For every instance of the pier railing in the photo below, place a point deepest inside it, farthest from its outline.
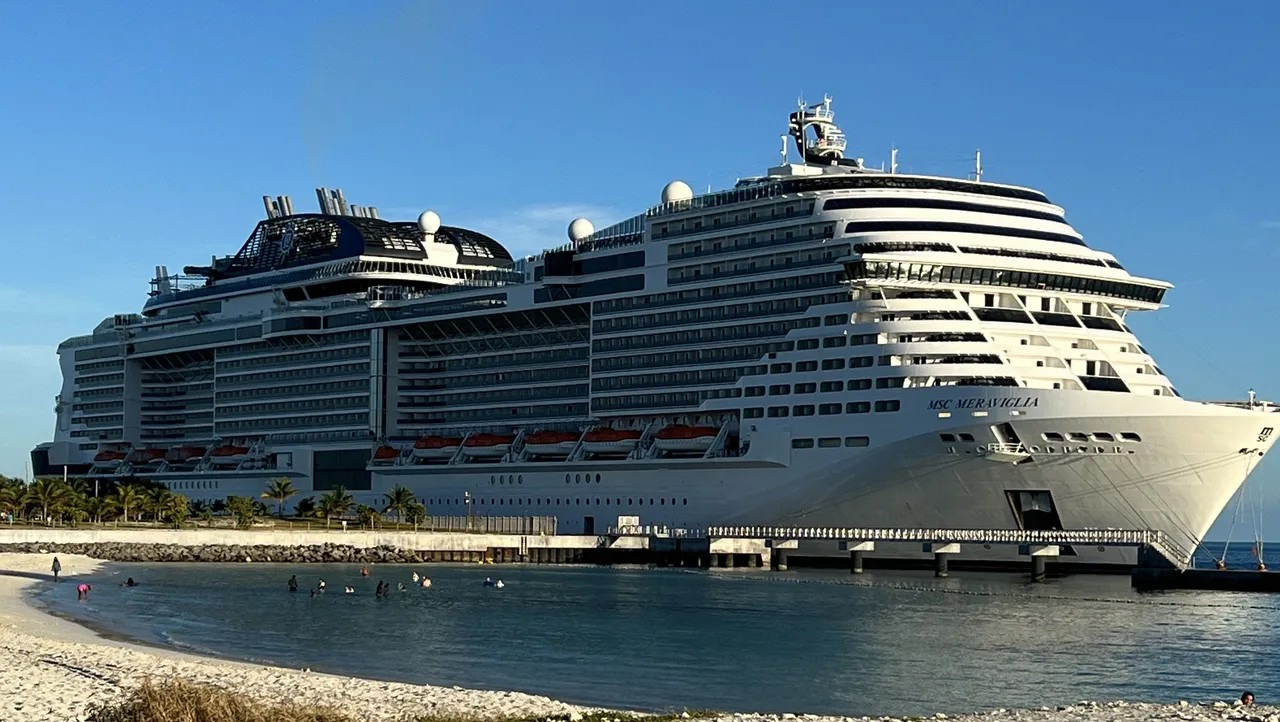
(1117, 537)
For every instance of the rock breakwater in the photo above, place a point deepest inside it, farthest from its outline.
(292, 554)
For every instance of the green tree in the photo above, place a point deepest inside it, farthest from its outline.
(416, 513)
(305, 507)
(334, 503)
(366, 515)
(10, 498)
(279, 490)
(177, 508)
(156, 502)
(128, 497)
(46, 494)
(97, 507)
(241, 507)
(398, 501)
(218, 506)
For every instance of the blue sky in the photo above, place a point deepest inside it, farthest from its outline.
(136, 135)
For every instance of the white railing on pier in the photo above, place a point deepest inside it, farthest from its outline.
(1114, 537)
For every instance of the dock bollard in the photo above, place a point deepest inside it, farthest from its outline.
(780, 557)
(1037, 569)
(940, 564)
(855, 562)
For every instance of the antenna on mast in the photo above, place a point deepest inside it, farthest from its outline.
(784, 149)
(893, 160)
(977, 166)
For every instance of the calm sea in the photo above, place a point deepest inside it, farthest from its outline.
(802, 641)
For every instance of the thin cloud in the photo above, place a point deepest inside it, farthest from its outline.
(1269, 225)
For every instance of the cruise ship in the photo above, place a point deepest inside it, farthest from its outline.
(825, 345)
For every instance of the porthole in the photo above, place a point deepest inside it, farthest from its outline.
(577, 478)
(597, 478)
(686, 502)
(630, 502)
(566, 478)
(662, 502)
(520, 479)
(651, 502)
(491, 480)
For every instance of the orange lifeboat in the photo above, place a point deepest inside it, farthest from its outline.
(228, 455)
(683, 438)
(190, 454)
(550, 443)
(384, 455)
(436, 447)
(108, 458)
(487, 446)
(147, 456)
(607, 440)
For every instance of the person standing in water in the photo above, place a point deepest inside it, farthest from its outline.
(82, 591)
(57, 567)
(293, 583)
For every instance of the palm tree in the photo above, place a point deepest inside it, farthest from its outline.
(200, 510)
(10, 498)
(98, 507)
(156, 503)
(398, 501)
(416, 513)
(218, 506)
(279, 490)
(366, 515)
(241, 508)
(127, 497)
(305, 507)
(48, 494)
(177, 507)
(334, 503)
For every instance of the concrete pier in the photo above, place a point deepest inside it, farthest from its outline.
(941, 552)
(1040, 556)
(857, 550)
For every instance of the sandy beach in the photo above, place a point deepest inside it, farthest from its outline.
(54, 669)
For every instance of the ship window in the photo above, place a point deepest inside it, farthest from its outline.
(802, 443)
(857, 441)
(1129, 436)
(829, 442)
(896, 382)
(597, 478)
(889, 405)
(949, 438)
(754, 412)
(779, 390)
(1052, 436)
(804, 410)
(755, 391)
(780, 368)
(828, 409)
(1076, 436)
(1102, 436)
(859, 384)
(806, 388)
(806, 366)
(861, 362)
(832, 364)
(834, 342)
(834, 320)
(829, 386)
(857, 407)
(778, 411)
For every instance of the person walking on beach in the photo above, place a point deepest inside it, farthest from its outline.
(57, 567)
(293, 583)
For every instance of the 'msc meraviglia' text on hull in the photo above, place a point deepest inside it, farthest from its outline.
(823, 345)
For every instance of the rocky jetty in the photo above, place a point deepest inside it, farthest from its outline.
(292, 554)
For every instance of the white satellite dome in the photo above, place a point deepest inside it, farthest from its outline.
(676, 191)
(580, 228)
(429, 222)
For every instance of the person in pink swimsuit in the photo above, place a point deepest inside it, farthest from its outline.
(82, 591)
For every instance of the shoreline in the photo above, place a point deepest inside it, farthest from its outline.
(58, 668)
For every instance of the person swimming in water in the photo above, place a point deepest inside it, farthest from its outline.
(129, 583)
(349, 589)
(425, 582)
(415, 577)
(364, 571)
(320, 586)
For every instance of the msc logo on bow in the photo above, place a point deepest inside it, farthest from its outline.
(1266, 434)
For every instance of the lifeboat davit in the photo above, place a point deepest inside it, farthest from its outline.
(228, 455)
(108, 458)
(550, 443)
(436, 447)
(385, 455)
(682, 438)
(487, 446)
(606, 440)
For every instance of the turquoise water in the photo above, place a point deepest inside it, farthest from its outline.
(805, 641)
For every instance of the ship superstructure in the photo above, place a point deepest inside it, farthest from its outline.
(825, 344)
